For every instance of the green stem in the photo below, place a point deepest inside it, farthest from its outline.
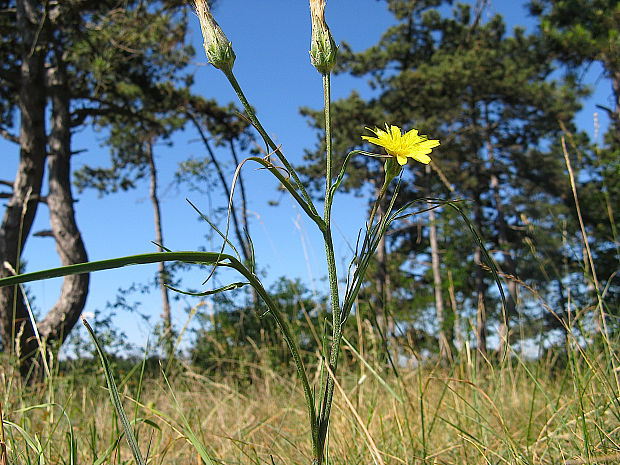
(252, 115)
(376, 205)
(333, 277)
(336, 319)
(307, 204)
(328, 146)
(292, 345)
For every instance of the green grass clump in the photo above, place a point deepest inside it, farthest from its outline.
(559, 409)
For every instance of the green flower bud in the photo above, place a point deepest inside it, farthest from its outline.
(392, 169)
(217, 46)
(323, 49)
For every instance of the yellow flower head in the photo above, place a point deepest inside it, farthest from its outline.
(403, 146)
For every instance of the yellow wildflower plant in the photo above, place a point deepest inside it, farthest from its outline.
(403, 146)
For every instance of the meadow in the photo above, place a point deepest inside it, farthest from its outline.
(562, 408)
(522, 368)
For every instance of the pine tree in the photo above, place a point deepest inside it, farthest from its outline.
(579, 33)
(75, 62)
(490, 99)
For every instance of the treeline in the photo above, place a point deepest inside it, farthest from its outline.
(122, 68)
(540, 193)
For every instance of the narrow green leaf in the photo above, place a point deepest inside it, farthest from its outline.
(228, 287)
(116, 401)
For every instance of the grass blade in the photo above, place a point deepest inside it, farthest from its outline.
(116, 401)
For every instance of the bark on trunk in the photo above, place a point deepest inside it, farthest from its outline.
(22, 205)
(159, 239)
(508, 267)
(456, 328)
(481, 316)
(382, 280)
(445, 339)
(444, 334)
(238, 225)
(245, 244)
(614, 71)
(61, 318)
(444, 342)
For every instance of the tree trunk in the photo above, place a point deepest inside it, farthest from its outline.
(245, 244)
(382, 280)
(159, 239)
(22, 205)
(508, 265)
(456, 327)
(61, 318)
(444, 333)
(238, 225)
(481, 314)
(614, 73)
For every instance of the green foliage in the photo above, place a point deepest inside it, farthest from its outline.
(492, 100)
(495, 104)
(581, 30)
(235, 336)
(579, 33)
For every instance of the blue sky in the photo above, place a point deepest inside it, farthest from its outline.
(271, 40)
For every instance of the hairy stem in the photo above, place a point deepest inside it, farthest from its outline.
(268, 140)
(333, 277)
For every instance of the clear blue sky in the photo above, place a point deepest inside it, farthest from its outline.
(271, 40)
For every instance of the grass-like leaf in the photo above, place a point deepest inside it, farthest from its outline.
(116, 401)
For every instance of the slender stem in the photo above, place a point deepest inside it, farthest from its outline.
(328, 146)
(307, 204)
(376, 205)
(252, 115)
(333, 277)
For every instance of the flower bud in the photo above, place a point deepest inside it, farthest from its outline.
(323, 49)
(392, 169)
(217, 46)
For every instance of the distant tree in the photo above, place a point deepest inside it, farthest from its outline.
(582, 32)
(579, 33)
(67, 64)
(492, 102)
(155, 116)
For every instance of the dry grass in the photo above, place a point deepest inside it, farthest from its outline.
(470, 413)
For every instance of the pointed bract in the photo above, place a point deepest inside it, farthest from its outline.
(217, 46)
(323, 49)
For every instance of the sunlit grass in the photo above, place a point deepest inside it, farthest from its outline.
(513, 412)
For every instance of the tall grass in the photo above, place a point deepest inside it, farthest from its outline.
(471, 412)
(563, 407)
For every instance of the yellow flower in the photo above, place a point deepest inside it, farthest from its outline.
(403, 146)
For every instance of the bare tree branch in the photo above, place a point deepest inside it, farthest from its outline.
(9, 136)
